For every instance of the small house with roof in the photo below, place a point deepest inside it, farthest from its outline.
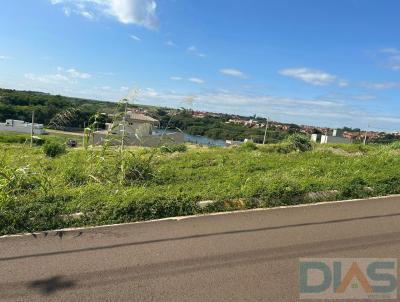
(135, 123)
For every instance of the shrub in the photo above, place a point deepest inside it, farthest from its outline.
(356, 188)
(13, 139)
(173, 148)
(20, 139)
(53, 149)
(274, 192)
(15, 181)
(137, 168)
(248, 146)
(395, 145)
(75, 175)
(300, 142)
(282, 148)
(389, 185)
(29, 215)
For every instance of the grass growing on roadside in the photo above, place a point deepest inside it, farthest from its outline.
(38, 192)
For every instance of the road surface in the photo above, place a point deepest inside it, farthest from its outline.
(243, 256)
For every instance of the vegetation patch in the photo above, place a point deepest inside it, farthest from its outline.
(39, 191)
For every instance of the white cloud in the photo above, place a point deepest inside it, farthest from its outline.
(390, 50)
(382, 85)
(124, 88)
(347, 97)
(391, 58)
(170, 43)
(67, 11)
(62, 76)
(196, 80)
(47, 78)
(73, 73)
(151, 92)
(136, 38)
(234, 73)
(4, 58)
(174, 78)
(194, 51)
(86, 14)
(107, 73)
(310, 76)
(139, 12)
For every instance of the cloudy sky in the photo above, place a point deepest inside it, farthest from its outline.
(333, 62)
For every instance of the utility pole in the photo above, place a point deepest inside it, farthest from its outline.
(123, 125)
(265, 132)
(33, 121)
(365, 136)
(84, 134)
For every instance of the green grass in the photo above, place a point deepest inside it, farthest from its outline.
(38, 192)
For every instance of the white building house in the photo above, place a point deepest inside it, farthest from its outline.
(335, 138)
(138, 129)
(327, 139)
(135, 123)
(22, 127)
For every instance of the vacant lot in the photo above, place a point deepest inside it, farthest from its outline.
(87, 187)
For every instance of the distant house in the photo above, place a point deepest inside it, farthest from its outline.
(22, 127)
(330, 139)
(138, 129)
(135, 123)
(316, 138)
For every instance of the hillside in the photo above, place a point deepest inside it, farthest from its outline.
(76, 112)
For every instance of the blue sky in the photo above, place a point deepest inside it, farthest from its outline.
(334, 63)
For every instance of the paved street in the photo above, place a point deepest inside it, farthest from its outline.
(244, 256)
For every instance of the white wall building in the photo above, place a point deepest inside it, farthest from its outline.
(135, 124)
(22, 127)
(327, 139)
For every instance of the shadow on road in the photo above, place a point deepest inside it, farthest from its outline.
(51, 285)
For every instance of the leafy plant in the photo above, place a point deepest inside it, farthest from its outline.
(137, 168)
(53, 149)
(173, 148)
(248, 146)
(300, 142)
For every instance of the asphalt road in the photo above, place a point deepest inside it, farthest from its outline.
(245, 256)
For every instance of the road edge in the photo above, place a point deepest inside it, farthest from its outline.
(178, 218)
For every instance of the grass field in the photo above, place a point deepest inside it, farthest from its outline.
(90, 187)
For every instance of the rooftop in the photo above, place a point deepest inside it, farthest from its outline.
(140, 117)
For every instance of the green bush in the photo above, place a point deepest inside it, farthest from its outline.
(300, 142)
(11, 138)
(30, 215)
(356, 188)
(394, 145)
(137, 168)
(274, 192)
(295, 142)
(173, 148)
(53, 149)
(75, 175)
(248, 146)
(283, 148)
